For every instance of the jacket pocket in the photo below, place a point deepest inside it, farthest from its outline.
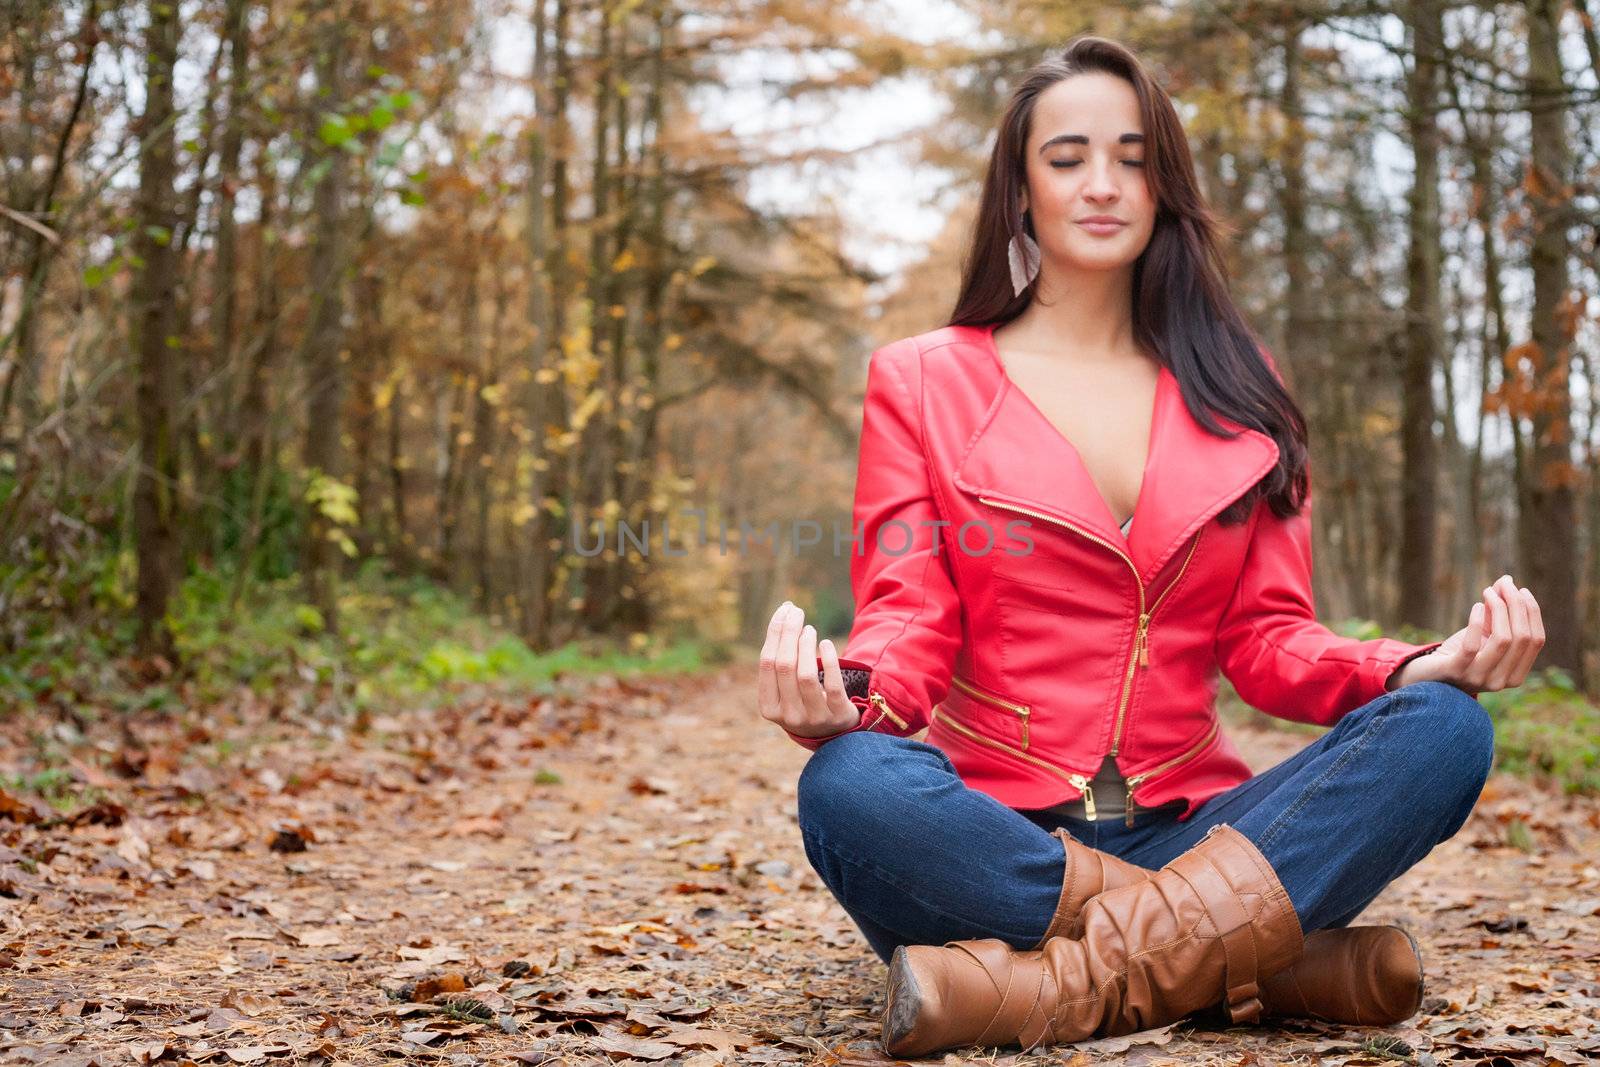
(993, 714)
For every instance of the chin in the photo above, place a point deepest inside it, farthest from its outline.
(1117, 260)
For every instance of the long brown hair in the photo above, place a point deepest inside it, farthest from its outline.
(1182, 310)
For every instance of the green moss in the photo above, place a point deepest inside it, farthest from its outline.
(55, 785)
(400, 641)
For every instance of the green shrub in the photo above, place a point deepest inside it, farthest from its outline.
(399, 639)
(1546, 727)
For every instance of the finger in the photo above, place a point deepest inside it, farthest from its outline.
(833, 679)
(1476, 673)
(1535, 615)
(1517, 660)
(1535, 631)
(767, 672)
(1499, 643)
(1473, 634)
(816, 701)
(791, 707)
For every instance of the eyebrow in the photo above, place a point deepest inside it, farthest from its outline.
(1081, 138)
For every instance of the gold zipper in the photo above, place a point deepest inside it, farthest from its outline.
(1079, 780)
(877, 701)
(1021, 711)
(1082, 782)
(1142, 776)
(1140, 655)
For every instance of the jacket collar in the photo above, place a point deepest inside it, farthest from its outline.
(1018, 457)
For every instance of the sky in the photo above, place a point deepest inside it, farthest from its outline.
(887, 200)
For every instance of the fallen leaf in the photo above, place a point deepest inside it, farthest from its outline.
(637, 1047)
(696, 1037)
(19, 809)
(255, 1053)
(421, 1037)
(432, 955)
(1110, 1046)
(132, 845)
(204, 870)
(323, 938)
(248, 1003)
(432, 987)
(148, 1052)
(487, 825)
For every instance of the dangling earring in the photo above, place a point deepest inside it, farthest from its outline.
(1022, 253)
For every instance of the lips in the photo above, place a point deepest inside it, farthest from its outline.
(1101, 226)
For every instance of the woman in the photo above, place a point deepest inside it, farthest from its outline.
(1075, 504)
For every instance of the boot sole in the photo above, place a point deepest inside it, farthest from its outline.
(1422, 976)
(903, 1003)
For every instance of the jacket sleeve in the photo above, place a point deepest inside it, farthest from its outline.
(907, 627)
(1269, 644)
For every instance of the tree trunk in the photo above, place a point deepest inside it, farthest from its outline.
(530, 564)
(551, 419)
(624, 581)
(403, 541)
(597, 486)
(487, 407)
(38, 254)
(639, 480)
(366, 371)
(1552, 571)
(155, 501)
(324, 369)
(449, 405)
(1424, 327)
(455, 454)
(224, 286)
(1493, 341)
(257, 425)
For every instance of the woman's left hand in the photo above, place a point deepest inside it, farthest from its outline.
(1495, 650)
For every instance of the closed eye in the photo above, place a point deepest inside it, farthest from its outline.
(1063, 163)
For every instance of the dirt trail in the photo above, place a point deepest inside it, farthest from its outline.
(616, 877)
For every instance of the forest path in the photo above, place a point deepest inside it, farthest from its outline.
(615, 875)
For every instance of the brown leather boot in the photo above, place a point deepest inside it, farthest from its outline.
(1360, 975)
(1089, 873)
(1205, 927)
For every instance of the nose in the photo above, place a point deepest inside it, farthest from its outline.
(1101, 188)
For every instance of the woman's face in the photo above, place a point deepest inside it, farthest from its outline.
(1085, 160)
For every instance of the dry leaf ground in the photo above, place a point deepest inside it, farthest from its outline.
(613, 875)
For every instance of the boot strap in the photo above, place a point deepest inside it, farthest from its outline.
(1021, 978)
(1067, 901)
(1233, 925)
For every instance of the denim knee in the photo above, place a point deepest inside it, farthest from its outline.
(1453, 734)
(838, 773)
(862, 782)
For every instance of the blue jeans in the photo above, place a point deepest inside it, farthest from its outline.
(916, 856)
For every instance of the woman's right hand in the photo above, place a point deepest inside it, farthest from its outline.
(788, 689)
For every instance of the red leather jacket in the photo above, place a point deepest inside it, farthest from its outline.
(1029, 662)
